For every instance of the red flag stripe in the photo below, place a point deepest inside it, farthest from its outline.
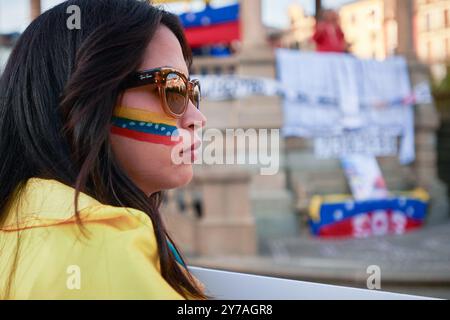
(214, 34)
(147, 137)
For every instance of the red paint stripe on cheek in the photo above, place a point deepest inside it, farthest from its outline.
(146, 137)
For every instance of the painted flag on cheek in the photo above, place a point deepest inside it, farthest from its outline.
(145, 126)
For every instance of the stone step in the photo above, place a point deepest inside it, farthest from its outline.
(274, 227)
(306, 160)
(269, 202)
(316, 182)
(268, 182)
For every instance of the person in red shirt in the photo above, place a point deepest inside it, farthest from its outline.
(329, 36)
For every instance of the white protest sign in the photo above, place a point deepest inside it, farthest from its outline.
(227, 285)
(364, 176)
(363, 142)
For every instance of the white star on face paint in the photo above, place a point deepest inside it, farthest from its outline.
(132, 123)
(142, 123)
(162, 128)
(149, 124)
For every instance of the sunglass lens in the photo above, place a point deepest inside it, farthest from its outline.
(196, 95)
(176, 93)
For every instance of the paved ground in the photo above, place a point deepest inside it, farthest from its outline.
(415, 263)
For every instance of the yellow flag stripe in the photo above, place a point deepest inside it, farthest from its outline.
(144, 115)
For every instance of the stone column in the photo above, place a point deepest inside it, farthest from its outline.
(426, 118)
(425, 167)
(253, 33)
(227, 226)
(256, 57)
(35, 8)
(405, 13)
(271, 201)
(318, 9)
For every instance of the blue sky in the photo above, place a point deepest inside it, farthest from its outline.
(14, 15)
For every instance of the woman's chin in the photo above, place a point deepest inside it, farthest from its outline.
(176, 177)
(182, 176)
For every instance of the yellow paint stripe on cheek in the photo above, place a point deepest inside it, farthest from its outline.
(144, 115)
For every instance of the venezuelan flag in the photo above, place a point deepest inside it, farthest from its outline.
(145, 126)
(212, 26)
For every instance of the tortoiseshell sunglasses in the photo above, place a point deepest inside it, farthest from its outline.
(174, 88)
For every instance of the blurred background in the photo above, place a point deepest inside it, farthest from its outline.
(361, 93)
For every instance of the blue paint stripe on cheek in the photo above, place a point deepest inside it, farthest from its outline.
(145, 127)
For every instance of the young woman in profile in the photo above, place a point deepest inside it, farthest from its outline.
(89, 121)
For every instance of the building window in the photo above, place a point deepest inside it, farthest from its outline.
(429, 51)
(447, 18)
(428, 22)
(373, 15)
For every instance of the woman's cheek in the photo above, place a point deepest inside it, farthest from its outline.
(150, 165)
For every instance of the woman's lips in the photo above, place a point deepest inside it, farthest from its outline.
(192, 150)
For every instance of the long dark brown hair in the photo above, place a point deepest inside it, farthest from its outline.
(57, 95)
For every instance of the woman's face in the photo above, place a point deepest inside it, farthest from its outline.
(150, 164)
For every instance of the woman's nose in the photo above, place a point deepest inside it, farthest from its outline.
(193, 118)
